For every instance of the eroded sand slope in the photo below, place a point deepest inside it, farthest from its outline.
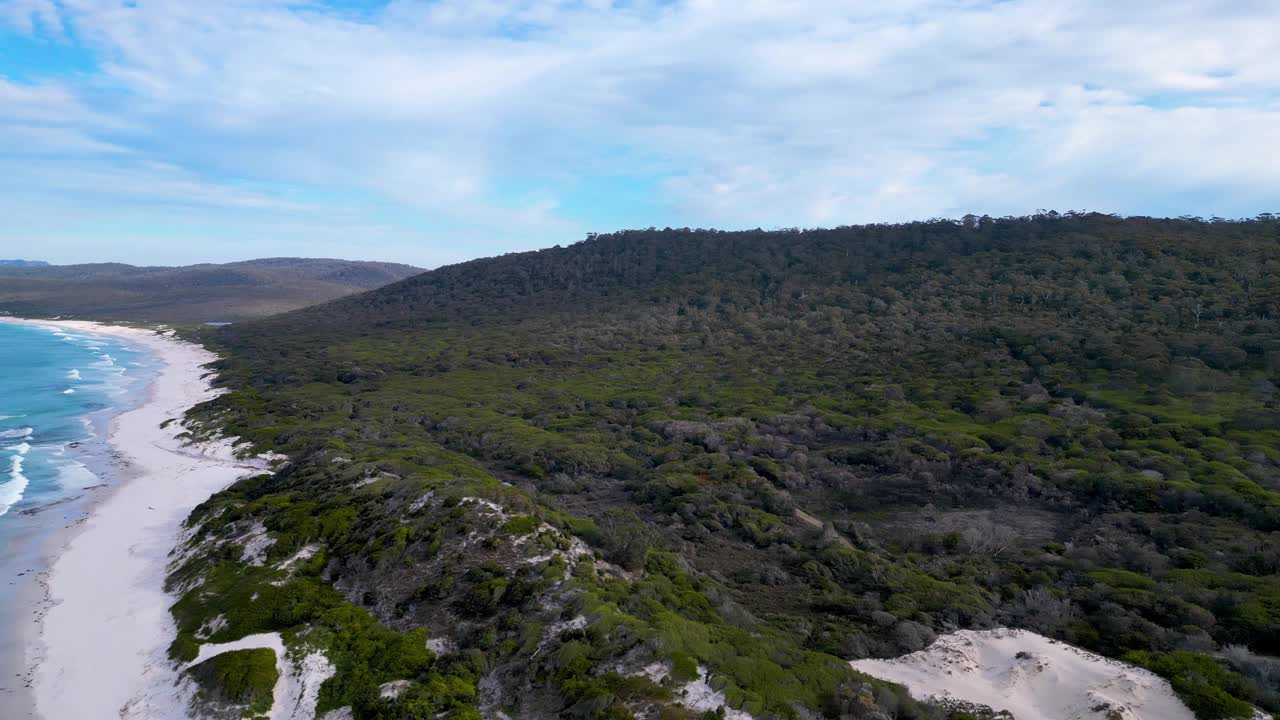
(1032, 677)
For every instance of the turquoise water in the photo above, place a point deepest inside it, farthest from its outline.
(58, 393)
(57, 388)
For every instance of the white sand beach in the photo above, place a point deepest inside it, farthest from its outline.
(100, 651)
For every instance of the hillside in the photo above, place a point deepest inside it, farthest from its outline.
(660, 471)
(195, 293)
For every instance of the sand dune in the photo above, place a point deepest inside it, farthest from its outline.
(1032, 677)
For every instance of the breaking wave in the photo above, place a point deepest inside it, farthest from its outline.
(11, 489)
(73, 475)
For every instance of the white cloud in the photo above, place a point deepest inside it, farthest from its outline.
(32, 15)
(750, 112)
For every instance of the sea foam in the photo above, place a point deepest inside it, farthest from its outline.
(76, 476)
(88, 372)
(12, 489)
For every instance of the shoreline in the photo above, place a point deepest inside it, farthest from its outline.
(33, 537)
(97, 638)
(39, 539)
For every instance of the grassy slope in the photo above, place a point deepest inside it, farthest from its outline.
(1062, 423)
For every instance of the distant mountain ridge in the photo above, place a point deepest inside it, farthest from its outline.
(194, 293)
(23, 263)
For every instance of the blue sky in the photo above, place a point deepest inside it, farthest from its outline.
(434, 131)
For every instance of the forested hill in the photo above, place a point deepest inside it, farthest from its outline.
(593, 474)
(194, 293)
(774, 271)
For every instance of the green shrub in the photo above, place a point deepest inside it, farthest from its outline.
(1210, 690)
(242, 677)
(521, 525)
(1123, 579)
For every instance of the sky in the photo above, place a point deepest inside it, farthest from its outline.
(435, 131)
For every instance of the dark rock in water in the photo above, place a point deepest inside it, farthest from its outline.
(60, 501)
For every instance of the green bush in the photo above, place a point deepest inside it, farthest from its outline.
(244, 677)
(1210, 690)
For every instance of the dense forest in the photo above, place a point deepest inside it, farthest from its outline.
(568, 483)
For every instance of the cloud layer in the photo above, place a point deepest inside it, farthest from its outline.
(432, 131)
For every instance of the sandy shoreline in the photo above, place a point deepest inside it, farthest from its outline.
(97, 641)
(33, 538)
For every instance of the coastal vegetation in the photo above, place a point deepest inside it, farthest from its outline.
(589, 481)
(241, 680)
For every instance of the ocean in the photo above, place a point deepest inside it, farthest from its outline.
(56, 389)
(59, 390)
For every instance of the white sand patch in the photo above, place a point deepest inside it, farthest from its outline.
(102, 646)
(269, 641)
(699, 696)
(655, 671)
(187, 547)
(296, 692)
(493, 507)
(255, 543)
(442, 646)
(1032, 677)
(371, 479)
(576, 548)
(393, 689)
(577, 623)
(556, 629)
(304, 691)
(306, 553)
(421, 502)
(212, 627)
